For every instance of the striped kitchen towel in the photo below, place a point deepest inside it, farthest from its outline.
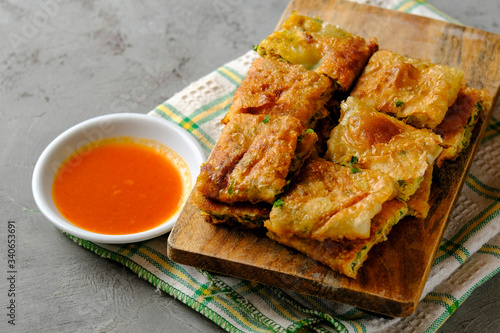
(468, 256)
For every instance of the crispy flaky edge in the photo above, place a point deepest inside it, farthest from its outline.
(418, 203)
(320, 46)
(458, 123)
(348, 256)
(238, 173)
(241, 214)
(278, 88)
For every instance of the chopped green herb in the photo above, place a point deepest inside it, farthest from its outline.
(354, 170)
(478, 106)
(472, 120)
(303, 135)
(399, 103)
(266, 119)
(317, 20)
(466, 138)
(360, 253)
(230, 189)
(353, 160)
(403, 152)
(278, 203)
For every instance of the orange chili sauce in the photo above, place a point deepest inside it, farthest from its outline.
(117, 188)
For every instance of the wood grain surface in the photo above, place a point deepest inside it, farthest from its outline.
(392, 279)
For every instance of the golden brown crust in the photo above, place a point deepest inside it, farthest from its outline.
(329, 201)
(253, 158)
(347, 256)
(417, 91)
(383, 143)
(457, 125)
(321, 47)
(418, 204)
(333, 213)
(243, 214)
(278, 88)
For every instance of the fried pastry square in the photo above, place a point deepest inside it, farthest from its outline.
(456, 127)
(319, 46)
(281, 89)
(347, 256)
(376, 141)
(330, 201)
(243, 214)
(255, 158)
(417, 91)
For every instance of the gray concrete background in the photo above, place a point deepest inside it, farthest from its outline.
(63, 62)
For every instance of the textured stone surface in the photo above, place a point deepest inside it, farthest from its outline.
(482, 14)
(64, 62)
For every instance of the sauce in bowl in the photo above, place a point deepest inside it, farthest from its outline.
(121, 186)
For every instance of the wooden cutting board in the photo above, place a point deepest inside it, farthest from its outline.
(392, 279)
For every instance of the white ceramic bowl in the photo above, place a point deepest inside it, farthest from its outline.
(114, 125)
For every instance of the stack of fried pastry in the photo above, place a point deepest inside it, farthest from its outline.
(331, 183)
